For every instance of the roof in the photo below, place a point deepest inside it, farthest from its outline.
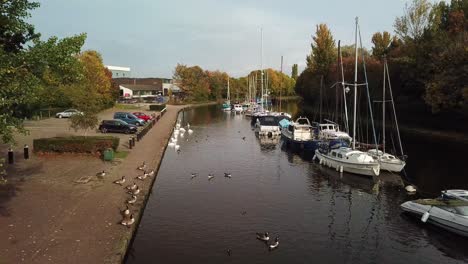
(117, 68)
(141, 87)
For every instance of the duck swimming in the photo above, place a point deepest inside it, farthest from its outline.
(263, 236)
(194, 175)
(210, 176)
(121, 181)
(132, 200)
(128, 221)
(274, 245)
(227, 175)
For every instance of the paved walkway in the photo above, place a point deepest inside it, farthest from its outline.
(45, 217)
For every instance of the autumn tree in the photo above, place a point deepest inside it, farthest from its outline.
(382, 42)
(193, 81)
(323, 52)
(294, 72)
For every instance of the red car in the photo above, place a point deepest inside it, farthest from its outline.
(142, 116)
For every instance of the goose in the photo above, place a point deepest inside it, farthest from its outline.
(142, 166)
(132, 200)
(274, 245)
(410, 189)
(121, 181)
(151, 173)
(101, 174)
(132, 187)
(210, 176)
(263, 236)
(128, 221)
(227, 175)
(126, 212)
(135, 191)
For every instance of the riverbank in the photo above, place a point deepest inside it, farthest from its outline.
(46, 216)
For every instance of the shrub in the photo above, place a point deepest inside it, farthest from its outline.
(157, 107)
(76, 144)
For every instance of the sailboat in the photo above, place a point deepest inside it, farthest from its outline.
(227, 103)
(388, 161)
(345, 158)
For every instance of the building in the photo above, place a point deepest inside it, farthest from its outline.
(119, 72)
(168, 85)
(139, 88)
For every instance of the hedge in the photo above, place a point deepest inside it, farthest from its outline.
(76, 144)
(157, 107)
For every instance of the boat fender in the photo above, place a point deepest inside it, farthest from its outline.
(337, 167)
(341, 169)
(425, 216)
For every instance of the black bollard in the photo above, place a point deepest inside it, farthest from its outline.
(133, 140)
(11, 159)
(26, 152)
(130, 143)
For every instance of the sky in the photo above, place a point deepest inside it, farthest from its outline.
(153, 36)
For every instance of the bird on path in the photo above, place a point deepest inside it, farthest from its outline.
(142, 177)
(121, 181)
(126, 212)
(101, 174)
(142, 166)
(135, 192)
(132, 187)
(128, 221)
(151, 173)
(132, 200)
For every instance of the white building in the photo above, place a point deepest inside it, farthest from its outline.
(119, 72)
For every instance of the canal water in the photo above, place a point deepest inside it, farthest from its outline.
(319, 215)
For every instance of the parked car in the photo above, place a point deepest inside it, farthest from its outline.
(129, 118)
(117, 126)
(143, 116)
(68, 113)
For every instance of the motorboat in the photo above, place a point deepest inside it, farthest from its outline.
(347, 159)
(299, 134)
(331, 131)
(267, 125)
(387, 161)
(449, 211)
(238, 108)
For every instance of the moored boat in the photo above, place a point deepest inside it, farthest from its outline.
(449, 211)
(267, 125)
(299, 134)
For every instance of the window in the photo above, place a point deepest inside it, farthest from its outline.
(340, 156)
(333, 153)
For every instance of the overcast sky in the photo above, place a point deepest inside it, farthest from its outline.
(152, 36)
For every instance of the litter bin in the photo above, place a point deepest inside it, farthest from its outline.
(109, 154)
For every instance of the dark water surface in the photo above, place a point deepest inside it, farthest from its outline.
(320, 216)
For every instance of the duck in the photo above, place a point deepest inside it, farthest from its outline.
(243, 138)
(194, 175)
(135, 191)
(410, 189)
(227, 175)
(101, 174)
(151, 173)
(126, 212)
(132, 200)
(128, 221)
(132, 187)
(121, 181)
(274, 245)
(142, 166)
(210, 176)
(263, 236)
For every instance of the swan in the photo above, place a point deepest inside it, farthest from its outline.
(274, 245)
(128, 221)
(263, 236)
(121, 181)
(132, 200)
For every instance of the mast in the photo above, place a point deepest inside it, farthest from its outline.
(393, 106)
(355, 85)
(281, 85)
(320, 111)
(344, 93)
(261, 64)
(228, 93)
(383, 108)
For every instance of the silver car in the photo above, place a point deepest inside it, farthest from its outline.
(68, 113)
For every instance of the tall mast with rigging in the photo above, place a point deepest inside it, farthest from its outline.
(355, 85)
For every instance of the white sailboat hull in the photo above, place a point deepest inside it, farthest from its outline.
(392, 166)
(367, 169)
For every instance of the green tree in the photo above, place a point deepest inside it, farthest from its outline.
(193, 81)
(294, 72)
(382, 43)
(414, 21)
(323, 52)
(14, 30)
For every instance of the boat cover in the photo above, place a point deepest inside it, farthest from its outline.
(284, 123)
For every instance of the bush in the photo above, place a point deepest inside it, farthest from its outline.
(157, 107)
(76, 144)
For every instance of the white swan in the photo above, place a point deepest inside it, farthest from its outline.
(274, 245)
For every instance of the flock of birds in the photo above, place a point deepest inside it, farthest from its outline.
(179, 131)
(133, 190)
(210, 175)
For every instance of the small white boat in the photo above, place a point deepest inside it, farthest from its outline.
(349, 160)
(238, 108)
(267, 126)
(387, 161)
(449, 211)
